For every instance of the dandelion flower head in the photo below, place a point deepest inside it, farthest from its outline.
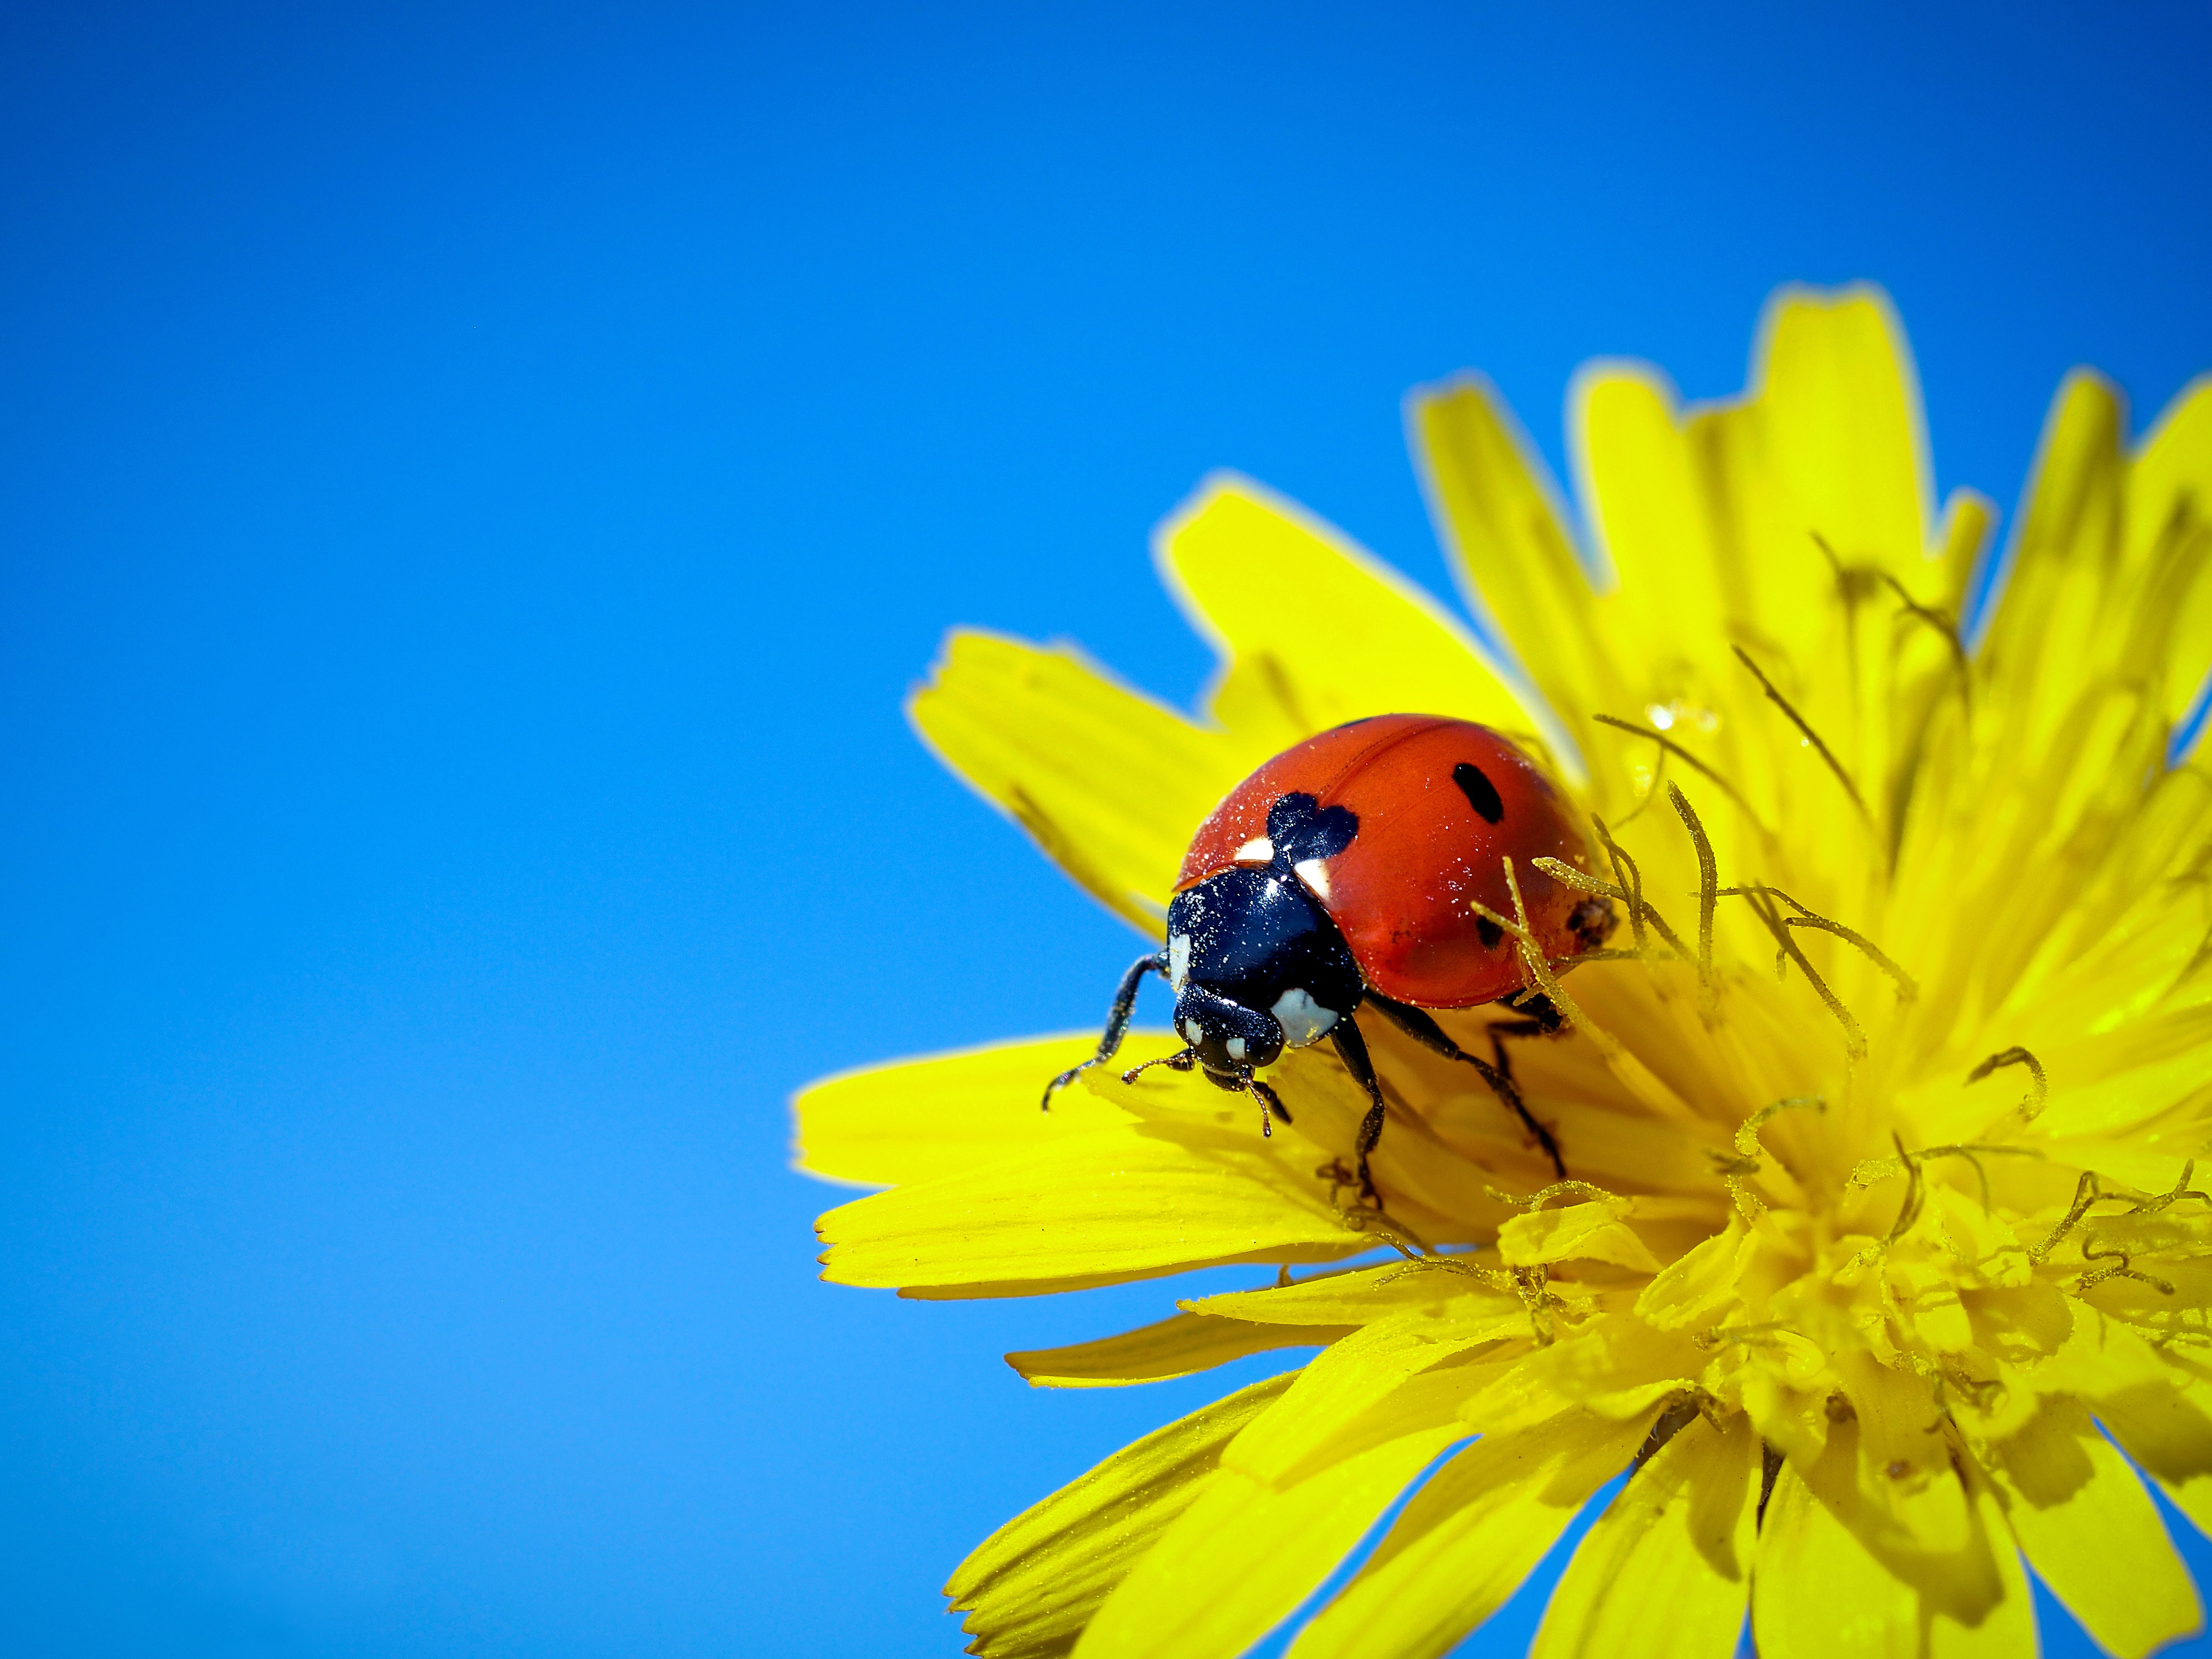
(1884, 1236)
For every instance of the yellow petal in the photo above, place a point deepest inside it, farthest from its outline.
(1834, 1575)
(1346, 634)
(1174, 1347)
(1828, 444)
(1361, 1297)
(921, 1120)
(1246, 1553)
(1679, 1536)
(1817, 1591)
(1108, 783)
(1586, 1232)
(1468, 1538)
(2091, 1533)
(1356, 1378)
(1497, 512)
(2168, 1431)
(1029, 1588)
(1641, 490)
(1616, 1367)
(2170, 516)
(2044, 637)
(1104, 1205)
(1699, 1283)
(1905, 1482)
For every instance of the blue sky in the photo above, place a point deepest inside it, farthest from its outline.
(476, 485)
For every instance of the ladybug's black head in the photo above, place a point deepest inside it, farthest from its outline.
(1229, 1038)
(1257, 967)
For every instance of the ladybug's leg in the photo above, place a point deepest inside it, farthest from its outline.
(1538, 1015)
(1416, 1024)
(1353, 1047)
(1117, 1022)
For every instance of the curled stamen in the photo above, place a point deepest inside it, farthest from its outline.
(1624, 870)
(2181, 1190)
(1539, 1301)
(1580, 880)
(1583, 881)
(1747, 1135)
(1495, 1278)
(1810, 735)
(1908, 988)
(1915, 1193)
(1735, 1172)
(1943, 625)
(1536, 1201)
(1671, 747)
(1974, 1154)
(1855, 1042)
(2097, 1276)
(1708, 883)
(1869, 1172)
(1535, 966)
(2084, 1194)
(2038, 1089)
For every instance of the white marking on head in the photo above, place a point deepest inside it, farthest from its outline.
(1236, 1047)
(1303, 1019)
(1257, 850)
(1178, 960)
(1191, 1033)
(1314, 873)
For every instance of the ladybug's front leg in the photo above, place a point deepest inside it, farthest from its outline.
(1352, 1047)
(1417, 1024)
(1117, 1021)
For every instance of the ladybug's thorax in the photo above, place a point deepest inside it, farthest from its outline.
(1257, 966)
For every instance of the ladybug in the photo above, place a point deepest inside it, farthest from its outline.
(1340, 875)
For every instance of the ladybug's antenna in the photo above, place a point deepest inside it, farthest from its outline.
(1270, 1102)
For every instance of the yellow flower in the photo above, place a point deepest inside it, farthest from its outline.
(1882, 1116)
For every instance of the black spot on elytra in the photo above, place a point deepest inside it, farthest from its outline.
(1301, 830)
(1488, 932)
(1481, 793)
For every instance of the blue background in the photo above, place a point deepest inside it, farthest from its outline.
(475, 487)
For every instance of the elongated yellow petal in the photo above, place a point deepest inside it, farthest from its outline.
(2170, 515)
(1029, 1588)
(1346, 636)
(2091, 1534)
(1468, 1539)
(1828, 445)
(1246, 1552)
(2167, 1429)
(1174, 1347)
(1106, 1204)
(940, 1115)
(1356, 1376)
(2045, 639)
(1640, 488)
(1589, 1232)
(1817, 1592)
(1679, 1537)
(1362, 1296)
(1108, 783)
(1833, 1574)
(1499, 515)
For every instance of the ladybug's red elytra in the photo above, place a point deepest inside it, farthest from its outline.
(1342, 873)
